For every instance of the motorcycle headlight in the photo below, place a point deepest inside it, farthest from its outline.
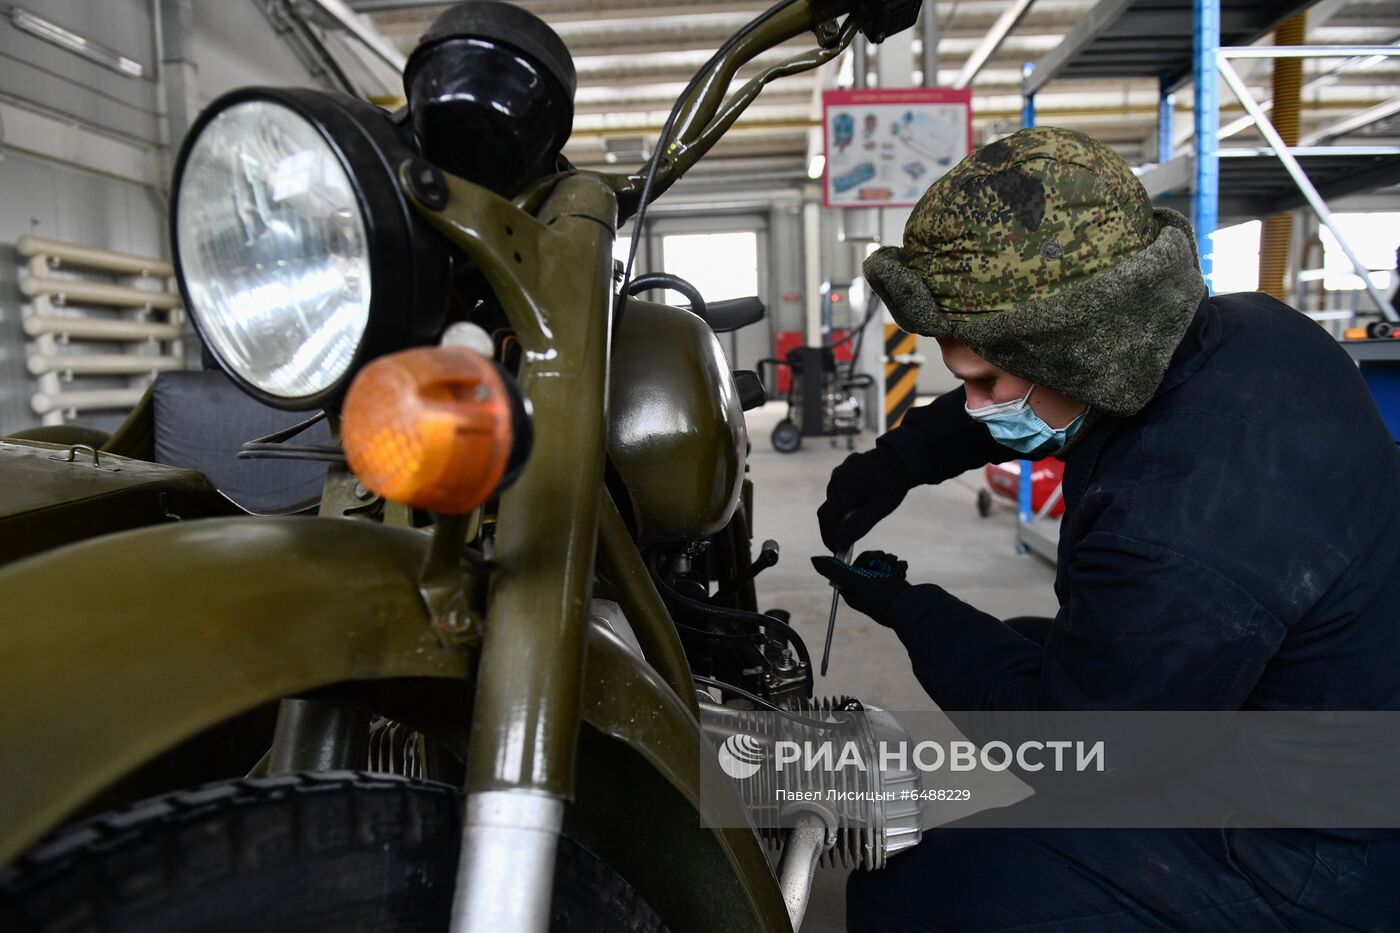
(298, 256)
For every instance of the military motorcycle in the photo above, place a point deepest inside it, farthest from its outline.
(465, 685)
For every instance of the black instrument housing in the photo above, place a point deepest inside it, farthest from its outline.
(490, 94)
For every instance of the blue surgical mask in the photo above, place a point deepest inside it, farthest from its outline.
(1013, 424)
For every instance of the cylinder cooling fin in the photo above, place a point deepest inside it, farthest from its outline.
(787, 765)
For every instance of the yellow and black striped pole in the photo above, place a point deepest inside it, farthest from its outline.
(902, 361)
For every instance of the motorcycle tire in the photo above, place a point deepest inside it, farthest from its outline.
(291, 853)
(984, 503)
(786, 437)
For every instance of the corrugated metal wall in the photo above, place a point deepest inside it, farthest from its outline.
(80, 154)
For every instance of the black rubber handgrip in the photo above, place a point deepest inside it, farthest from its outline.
(884, 18)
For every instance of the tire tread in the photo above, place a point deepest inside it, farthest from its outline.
(144, 862)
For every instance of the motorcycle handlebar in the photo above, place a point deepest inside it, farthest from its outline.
(697, 121)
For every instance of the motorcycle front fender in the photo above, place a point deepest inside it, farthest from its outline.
(121, 648)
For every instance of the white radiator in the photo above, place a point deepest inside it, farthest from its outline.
(95, 318)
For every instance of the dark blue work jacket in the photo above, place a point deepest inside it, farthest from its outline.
(1234, 545)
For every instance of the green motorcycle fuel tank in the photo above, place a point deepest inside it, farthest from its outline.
(676, 434)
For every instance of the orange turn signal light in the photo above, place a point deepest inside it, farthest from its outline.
(436, 428)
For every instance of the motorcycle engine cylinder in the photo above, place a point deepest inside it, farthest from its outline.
(868, 829)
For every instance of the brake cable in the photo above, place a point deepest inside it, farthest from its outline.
(674, 597)
(663, 140)
(274, 447)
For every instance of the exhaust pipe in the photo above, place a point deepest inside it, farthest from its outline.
(810, 837)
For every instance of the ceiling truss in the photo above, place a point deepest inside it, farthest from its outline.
(634, 56)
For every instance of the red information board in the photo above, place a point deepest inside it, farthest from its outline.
(885, 146)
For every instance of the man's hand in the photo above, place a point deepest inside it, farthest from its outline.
(870, 584)
(865, 488)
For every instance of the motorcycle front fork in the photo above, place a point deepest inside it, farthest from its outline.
(314, 735)
(552, 274)
(505, 879)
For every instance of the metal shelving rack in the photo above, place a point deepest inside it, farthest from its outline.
(1164, 40)
(1254, 183)
(1195, 41)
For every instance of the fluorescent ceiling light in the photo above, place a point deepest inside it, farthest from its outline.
(816, 166)
(52, 32)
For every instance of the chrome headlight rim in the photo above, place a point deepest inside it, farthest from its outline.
(409, 262)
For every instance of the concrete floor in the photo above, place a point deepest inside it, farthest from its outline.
(936, 529)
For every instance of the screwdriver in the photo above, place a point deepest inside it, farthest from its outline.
(845, 558)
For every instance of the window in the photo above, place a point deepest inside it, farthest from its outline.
(719, 265)
(1373, 237)
(1236, 258)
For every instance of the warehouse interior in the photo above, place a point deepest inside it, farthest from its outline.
(1287, 163)
(88, 146)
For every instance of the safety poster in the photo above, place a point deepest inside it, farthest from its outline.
(885, 146)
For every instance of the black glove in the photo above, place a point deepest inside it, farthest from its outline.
(865, 488)
(870, 584)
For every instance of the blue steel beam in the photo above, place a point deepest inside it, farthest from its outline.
(1023, 492)
(1205, 197)
(1024, 489)
(1166, 117)
(1028, 106)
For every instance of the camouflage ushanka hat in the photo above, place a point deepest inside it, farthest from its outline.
(1043, 254)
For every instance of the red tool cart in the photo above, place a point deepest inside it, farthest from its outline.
(1004, 480)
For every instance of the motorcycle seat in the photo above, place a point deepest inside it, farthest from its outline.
(733, 313)
(202, 420)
